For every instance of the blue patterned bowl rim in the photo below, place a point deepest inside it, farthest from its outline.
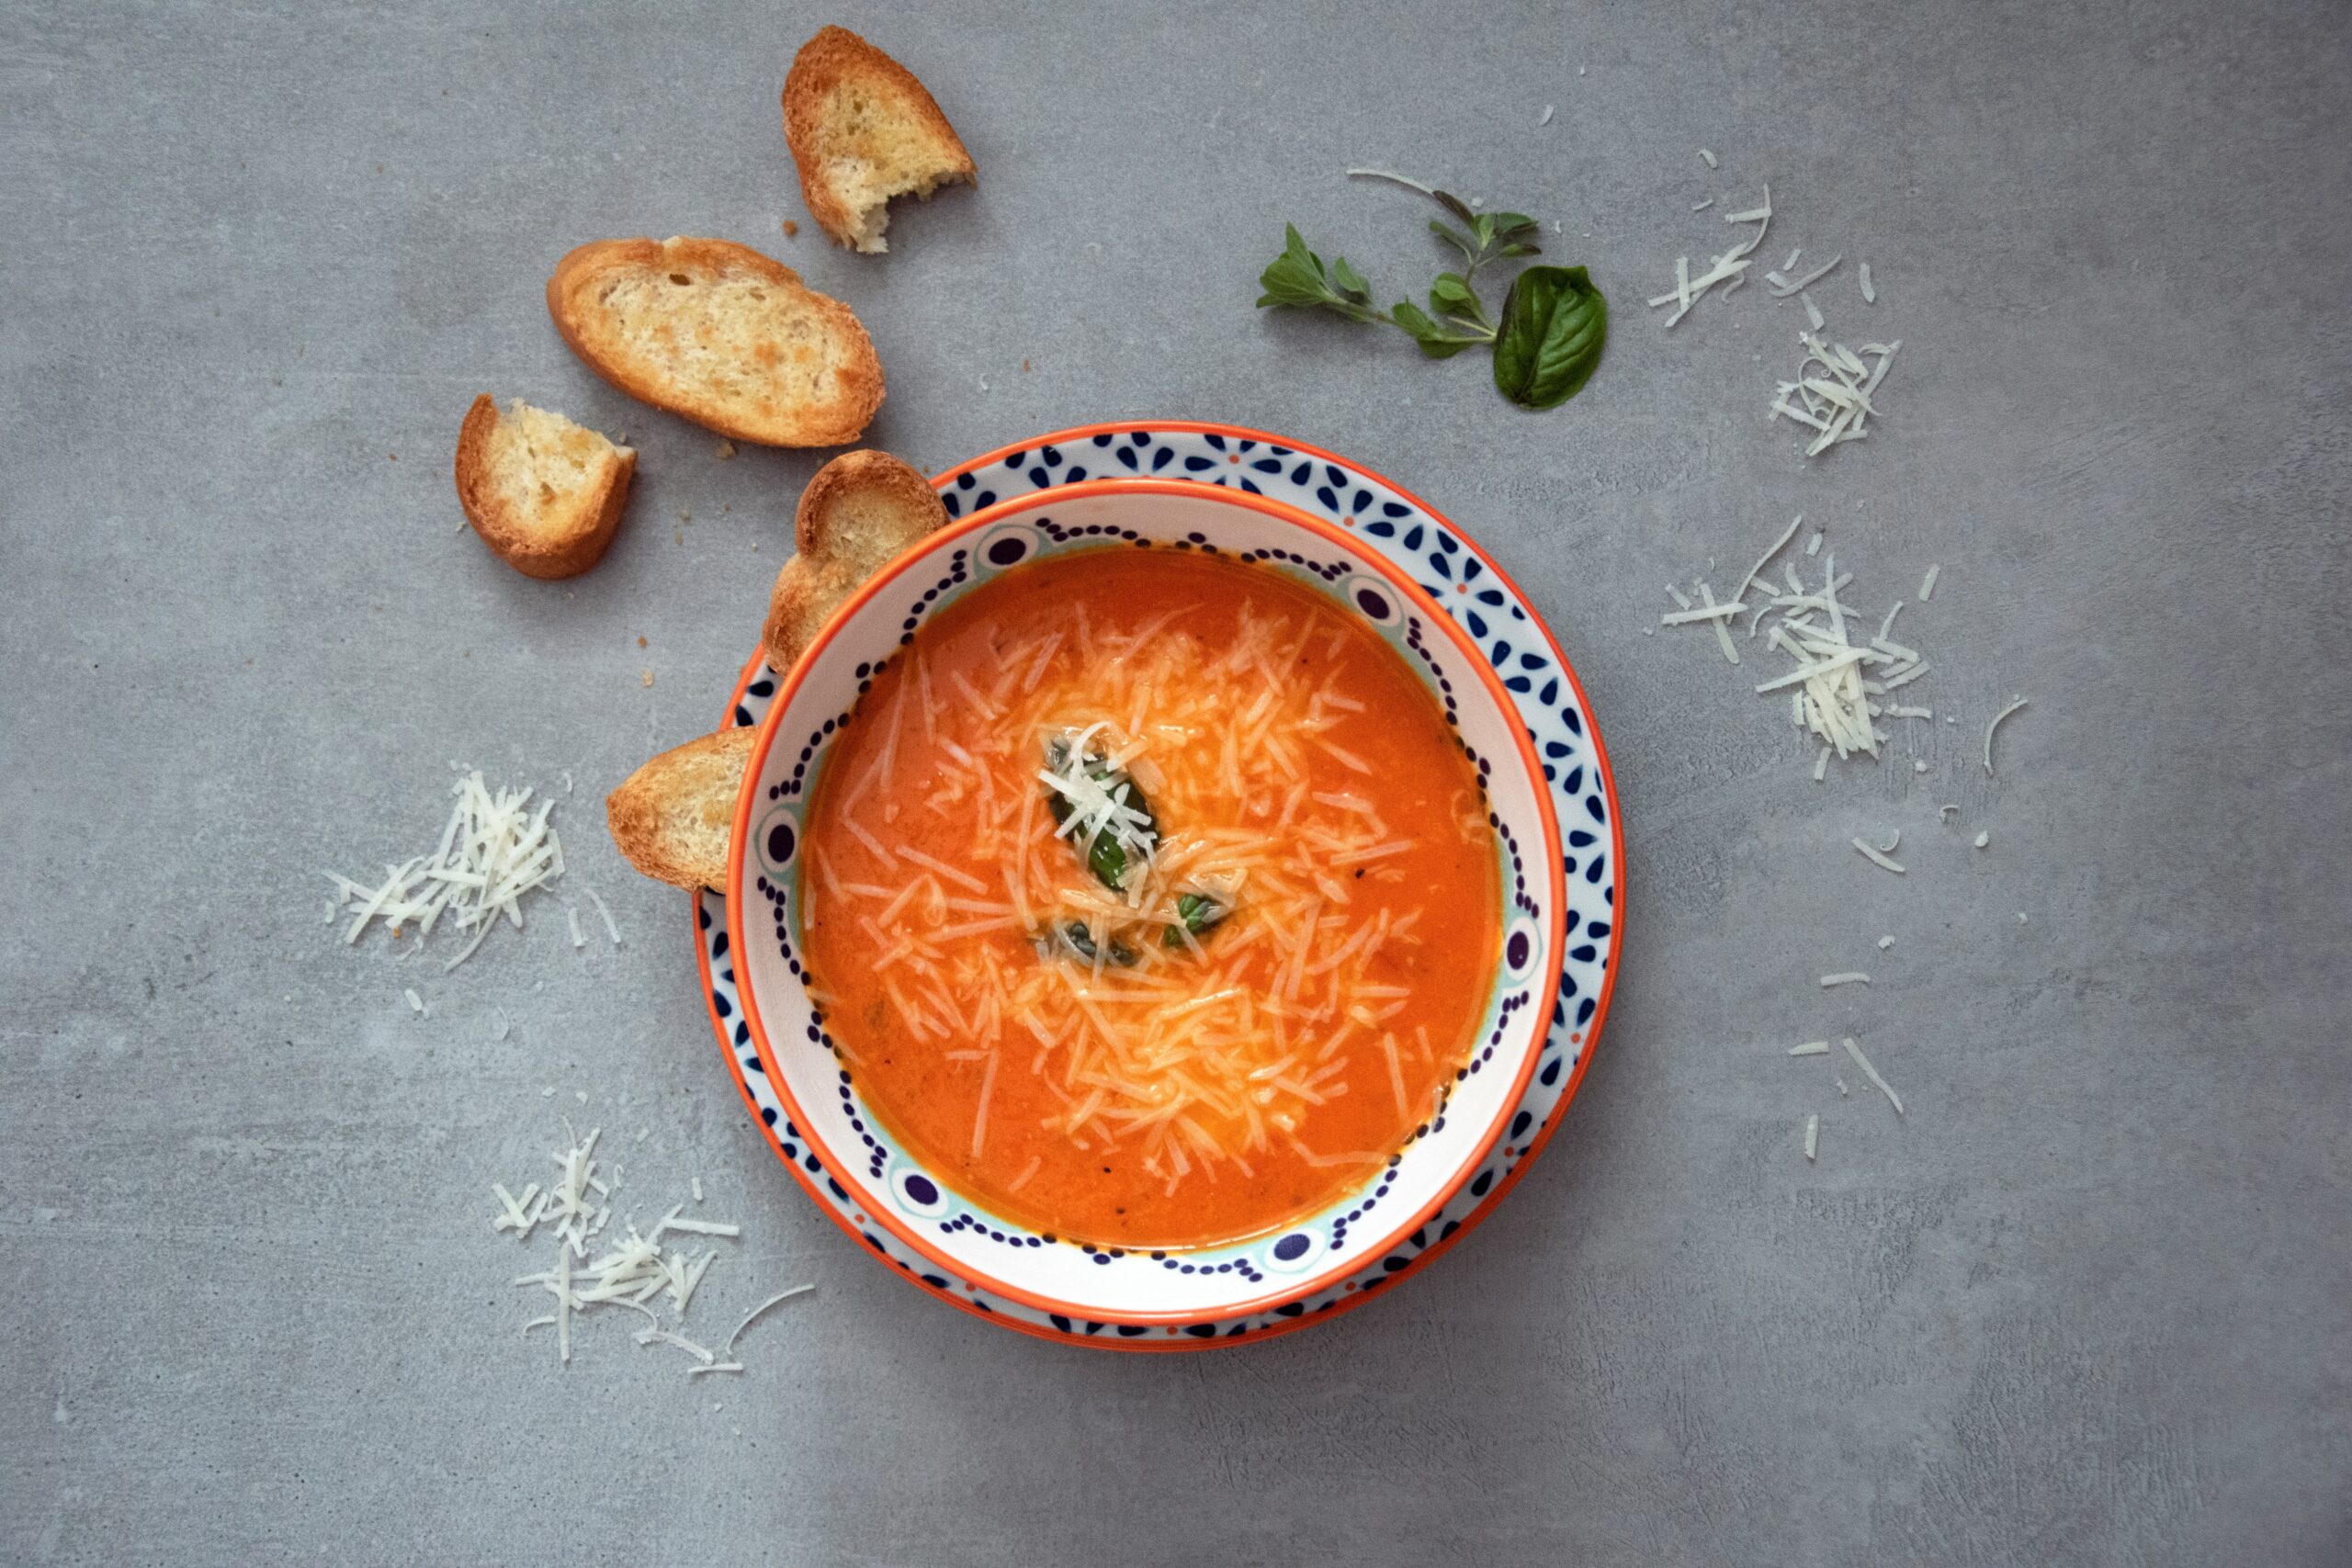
(1262, 1273)
(1576, 765)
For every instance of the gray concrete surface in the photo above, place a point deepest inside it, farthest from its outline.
(2090, 1303)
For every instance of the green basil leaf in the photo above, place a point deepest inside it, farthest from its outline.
(1437, 342)
(1482, 228)
(1105, 856)
(1515, 226)
(1199, 913)
(1295, 278)
(1451, 295)
(1555, 324)
(1350, 281)
(1454, 237)
(1518, 248)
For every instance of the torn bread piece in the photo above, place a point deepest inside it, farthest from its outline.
(862, 129)
(545, 494)
(861, 509)
(720, 334)
(673, 818)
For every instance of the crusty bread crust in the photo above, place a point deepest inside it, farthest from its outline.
(674, 818)
(560, 545)
(836, 56)
(859, 511)
(841, 377)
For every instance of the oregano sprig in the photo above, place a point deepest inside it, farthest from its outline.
(1547, 338)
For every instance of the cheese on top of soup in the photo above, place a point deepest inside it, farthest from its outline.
(1149, 899)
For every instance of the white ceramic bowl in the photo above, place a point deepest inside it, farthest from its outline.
(1209, 1292)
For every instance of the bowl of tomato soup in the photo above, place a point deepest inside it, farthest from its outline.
(1149, 904)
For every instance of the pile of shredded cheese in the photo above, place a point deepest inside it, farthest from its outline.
(1840, 678)
(494, 849)
(1729, 267)
(1836, 400)
(1834, 384)
(1096, 809)
(633, 1273)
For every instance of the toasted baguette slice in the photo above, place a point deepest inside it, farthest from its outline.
(861, 508)
(721, 334)
(861, 131)
(544, 493)
(673, 818)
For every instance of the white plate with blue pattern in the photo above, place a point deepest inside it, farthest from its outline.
(1526, 661)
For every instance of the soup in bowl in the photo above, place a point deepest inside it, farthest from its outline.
(1148, 902)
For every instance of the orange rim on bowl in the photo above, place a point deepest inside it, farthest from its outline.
(1583, 1037)
(1412, 594)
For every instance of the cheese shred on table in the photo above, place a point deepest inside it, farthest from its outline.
(494, 848)
(633, 1274)
(1840, 677)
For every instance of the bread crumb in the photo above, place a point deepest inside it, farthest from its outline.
(685, 516)
(649, 677)
(640, 642)
(726, 450)
(790, 229)
(1025, 365)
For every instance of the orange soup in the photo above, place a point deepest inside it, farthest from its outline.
(1150, 898)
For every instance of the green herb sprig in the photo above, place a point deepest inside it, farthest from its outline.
(1547, 338)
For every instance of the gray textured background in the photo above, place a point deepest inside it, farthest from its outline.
(2091, 1303)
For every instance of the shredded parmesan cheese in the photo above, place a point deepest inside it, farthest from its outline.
(1723, 636)
(610, 929)
(1811, 1137)
(1837, 402)
(1707, 157)
(1755, 579)
(1872, 1073)
(633, 1274)
(1993, 725)
(1811, 1048)
(494, 850)
(1731, 265)
(1876, 858)
(1838, 688)
(1798, 285)
(1847, 979)
(758, 1312)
